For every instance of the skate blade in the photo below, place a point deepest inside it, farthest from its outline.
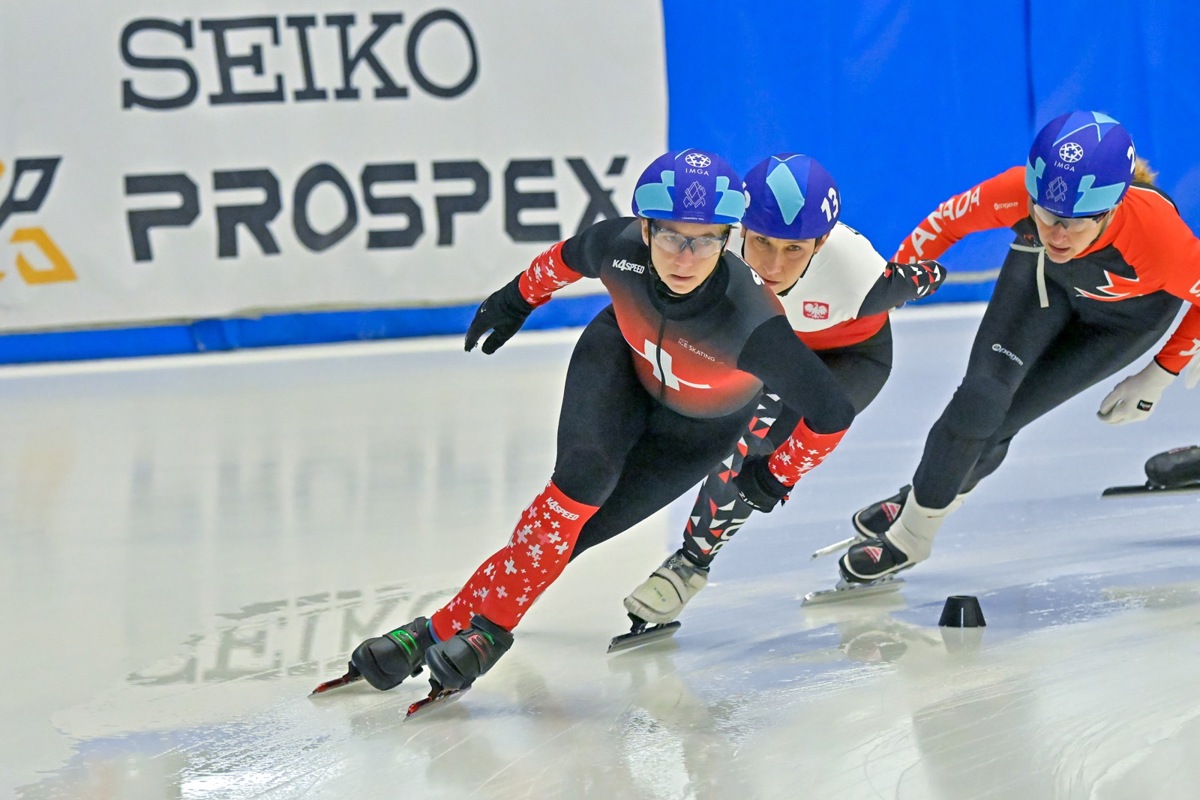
(1150, 488)
(352, 676)
(837, 546)
(646, 635)
(847, 591)
(437, 697)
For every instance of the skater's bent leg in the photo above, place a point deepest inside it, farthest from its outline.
(506, 584)
(718, 512)
(956, 440)
(674, 455)
(605, 411)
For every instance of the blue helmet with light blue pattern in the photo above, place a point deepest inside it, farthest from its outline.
(690, 186)
(791, 196)
(1080, 164)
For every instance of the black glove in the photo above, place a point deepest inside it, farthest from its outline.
(757, 487)
(503, 314)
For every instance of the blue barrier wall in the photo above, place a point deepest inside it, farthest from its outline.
(910, 102)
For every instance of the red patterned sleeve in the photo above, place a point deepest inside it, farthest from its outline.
(545, 275)
(998, 202)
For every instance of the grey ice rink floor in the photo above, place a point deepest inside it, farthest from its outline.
(190, 545)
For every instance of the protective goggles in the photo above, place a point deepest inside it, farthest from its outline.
(1070, 223)
(672, 242)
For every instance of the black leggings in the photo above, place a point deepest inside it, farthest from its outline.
(618, 447)
(862, 369)
(1027, 360)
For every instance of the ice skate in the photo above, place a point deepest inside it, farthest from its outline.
(458, 661)
(661, 598)
(837, 547)
(385, 661)
(875, 519)
(846, 590)
(908, 540)
(872, 559)
(1175, 470)
(642, 632)
(438, 696)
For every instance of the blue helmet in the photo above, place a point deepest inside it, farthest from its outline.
(791, 197)
(1080, 164)
(690, 186)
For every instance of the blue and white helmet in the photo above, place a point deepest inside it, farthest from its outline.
(1080, 164)
(791, 196)
(690, 186)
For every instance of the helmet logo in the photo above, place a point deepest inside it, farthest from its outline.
(1057, 190)
(788, 194)
(1070, 152)
(694, 196)
(698, 160)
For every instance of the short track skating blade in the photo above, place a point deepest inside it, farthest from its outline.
(352, 675)
(1150, 488)
(847, 591)
(437, 697)
(646, 635)
(837, 547)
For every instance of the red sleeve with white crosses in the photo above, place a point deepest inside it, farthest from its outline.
(545, 275)
(802, 452)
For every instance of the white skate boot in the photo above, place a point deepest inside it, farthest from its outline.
(668, 589)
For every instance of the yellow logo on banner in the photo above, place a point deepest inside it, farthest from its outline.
(54, 266)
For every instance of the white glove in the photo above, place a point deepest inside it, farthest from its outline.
(1191, 373)
(1133, 399)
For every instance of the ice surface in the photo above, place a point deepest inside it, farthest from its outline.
(190, 545)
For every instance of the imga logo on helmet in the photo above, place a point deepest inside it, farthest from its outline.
(27, 190)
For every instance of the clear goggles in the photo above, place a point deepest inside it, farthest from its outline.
(673, 242)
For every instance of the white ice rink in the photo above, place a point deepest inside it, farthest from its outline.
(191, 544)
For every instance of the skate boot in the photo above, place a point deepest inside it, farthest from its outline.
(871, 560)
(385, 661)
(874, 520)
(458, 661)
(908, 541)
(668, 589)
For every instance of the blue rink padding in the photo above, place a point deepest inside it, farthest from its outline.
(273, 330)
(318, 327)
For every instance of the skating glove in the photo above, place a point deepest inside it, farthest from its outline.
(757, 487)
(503, 314)
(1133, 399)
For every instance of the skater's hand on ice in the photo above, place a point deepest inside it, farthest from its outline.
(503, 314)
(1133, 399)
(757, 487)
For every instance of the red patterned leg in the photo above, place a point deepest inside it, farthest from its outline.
(505, 586)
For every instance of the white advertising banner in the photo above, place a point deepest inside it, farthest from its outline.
(185, 160)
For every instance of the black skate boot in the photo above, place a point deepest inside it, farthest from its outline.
(872, 559)
(385, 661)
(875, 519)
(457, 662)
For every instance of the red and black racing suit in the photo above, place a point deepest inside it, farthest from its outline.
(659, 388)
